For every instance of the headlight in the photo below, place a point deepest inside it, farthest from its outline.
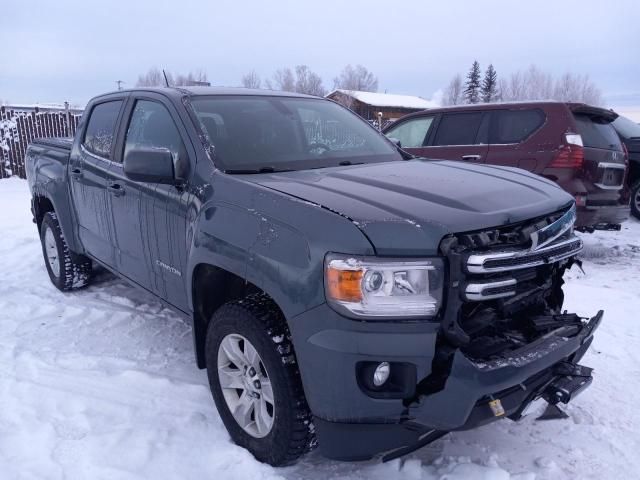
(378, 287)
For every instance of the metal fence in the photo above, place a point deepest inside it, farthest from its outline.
(19, 125)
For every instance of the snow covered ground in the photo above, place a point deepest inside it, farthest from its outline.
(101, 384)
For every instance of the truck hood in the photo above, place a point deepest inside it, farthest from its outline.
(407, 207)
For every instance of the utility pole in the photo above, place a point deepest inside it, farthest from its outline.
(119, 82)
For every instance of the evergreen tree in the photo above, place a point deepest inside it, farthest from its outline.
(490, 85)
(472, 85)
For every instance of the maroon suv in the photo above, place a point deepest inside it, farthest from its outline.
(572, 144)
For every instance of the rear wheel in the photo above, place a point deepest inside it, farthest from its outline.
(66, 270)
(255, 381)
(635, 199)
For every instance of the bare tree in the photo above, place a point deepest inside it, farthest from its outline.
(303, 81)
(251, 80)
(190, 78)
(308, 82)
(512, 89)
(538, 84)
(283, 80)
(577, 88)
(453, 92)
(356, 78)
(155, 78)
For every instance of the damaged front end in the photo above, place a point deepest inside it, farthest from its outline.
(504, 339)
(501, 340)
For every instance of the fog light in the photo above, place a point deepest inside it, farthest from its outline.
(381, 374)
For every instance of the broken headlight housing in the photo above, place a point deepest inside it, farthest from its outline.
(384, 287)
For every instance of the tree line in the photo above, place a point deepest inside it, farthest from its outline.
(476, 87)
(299, 79)
(529, 84)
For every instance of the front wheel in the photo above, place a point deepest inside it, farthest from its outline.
(255, 381)
(635, 199)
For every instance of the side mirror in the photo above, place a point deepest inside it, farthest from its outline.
(150, 165)
(395, 141)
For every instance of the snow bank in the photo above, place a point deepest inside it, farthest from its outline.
(101, 384)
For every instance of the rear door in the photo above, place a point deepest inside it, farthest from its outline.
(459, 136)
(604, 158)
(89, 168)
(512, 139)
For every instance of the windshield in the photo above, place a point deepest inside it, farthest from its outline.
(626, 128)
(253, 133)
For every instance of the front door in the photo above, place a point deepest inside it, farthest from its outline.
(89, 169)
(150, 219)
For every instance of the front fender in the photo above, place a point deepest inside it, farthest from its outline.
(272, 240)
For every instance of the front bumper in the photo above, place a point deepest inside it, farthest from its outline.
(352, 425)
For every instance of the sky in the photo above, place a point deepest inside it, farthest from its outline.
(52, 51)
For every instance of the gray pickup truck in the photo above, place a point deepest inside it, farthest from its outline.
(341, 292)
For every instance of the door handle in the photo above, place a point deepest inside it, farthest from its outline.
(76, 172)
(115, 189)
(471, 158)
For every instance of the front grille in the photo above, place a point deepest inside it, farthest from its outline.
(517, 259)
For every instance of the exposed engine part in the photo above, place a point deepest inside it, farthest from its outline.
(490, 314)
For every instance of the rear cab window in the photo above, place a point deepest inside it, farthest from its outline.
(597, 132)
(515, 126)
(100, 132)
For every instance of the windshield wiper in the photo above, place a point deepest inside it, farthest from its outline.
(256, 170)
(345, 163)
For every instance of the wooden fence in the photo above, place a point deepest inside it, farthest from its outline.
(21, 124)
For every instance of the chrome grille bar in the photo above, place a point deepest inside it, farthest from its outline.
(490, 290)
(516, 259)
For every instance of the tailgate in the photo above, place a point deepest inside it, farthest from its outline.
(604, 159)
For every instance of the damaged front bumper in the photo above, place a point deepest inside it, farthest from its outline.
(472, 384)
(353, 425)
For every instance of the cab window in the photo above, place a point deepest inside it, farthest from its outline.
(100, 132)
(151, 127)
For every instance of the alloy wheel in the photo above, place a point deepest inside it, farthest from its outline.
(246, 386)
(51, 250)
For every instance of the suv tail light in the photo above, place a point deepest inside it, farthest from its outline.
(571, 154)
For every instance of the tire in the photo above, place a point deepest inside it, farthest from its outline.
(67, 271)
(257, 322)
(635, 200)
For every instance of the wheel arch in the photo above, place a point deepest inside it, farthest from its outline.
(211, 287)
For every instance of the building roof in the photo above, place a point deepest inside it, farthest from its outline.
(387, 99)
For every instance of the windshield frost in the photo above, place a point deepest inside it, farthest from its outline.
(287, 133)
